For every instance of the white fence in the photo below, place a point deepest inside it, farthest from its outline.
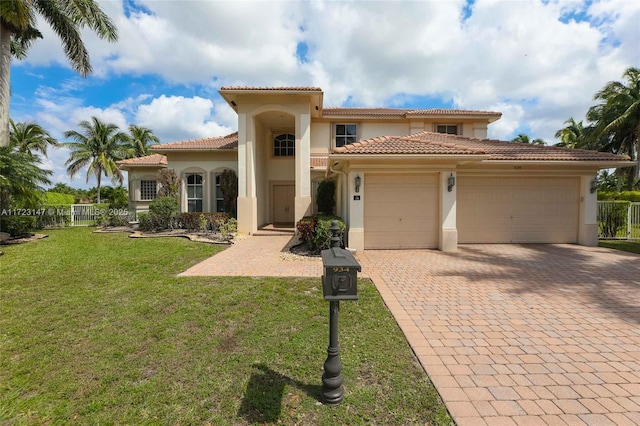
(618, 220)
(83, 214)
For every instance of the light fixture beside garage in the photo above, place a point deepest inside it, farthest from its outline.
(451, 182)
(358, 181)
(594, 185)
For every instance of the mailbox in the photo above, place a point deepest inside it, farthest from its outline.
(340, 277)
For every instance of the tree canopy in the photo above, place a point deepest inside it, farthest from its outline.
(18, 31)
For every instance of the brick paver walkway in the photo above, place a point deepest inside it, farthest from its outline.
(521, 335)
(258, 256)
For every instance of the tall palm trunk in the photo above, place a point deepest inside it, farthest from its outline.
(5, 85)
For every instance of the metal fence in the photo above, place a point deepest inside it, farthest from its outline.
(618, 220)
(83, 214)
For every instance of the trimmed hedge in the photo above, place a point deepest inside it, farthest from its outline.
(17, 225)
(57, 199)
(197, 221)
(633, 196)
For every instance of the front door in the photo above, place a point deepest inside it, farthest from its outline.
(283, 204)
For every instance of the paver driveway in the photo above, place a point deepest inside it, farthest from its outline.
(521, 335)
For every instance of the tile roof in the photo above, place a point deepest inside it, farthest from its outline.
(403, 112)
(149, 160)
(319, 162)
(437, 144)
(273, 89)
(229, 141)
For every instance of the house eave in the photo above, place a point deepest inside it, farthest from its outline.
(440, 157)
(601, 164)
(165, 151)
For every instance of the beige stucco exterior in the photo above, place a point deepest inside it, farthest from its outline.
(275, 188)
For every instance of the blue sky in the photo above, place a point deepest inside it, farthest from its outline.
(537, 62)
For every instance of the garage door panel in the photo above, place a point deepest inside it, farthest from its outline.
(401, 211)
(517, 209)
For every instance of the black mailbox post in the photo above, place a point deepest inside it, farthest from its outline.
(339, 282)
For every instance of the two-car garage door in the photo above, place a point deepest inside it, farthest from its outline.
(514, 209)
(403, 212)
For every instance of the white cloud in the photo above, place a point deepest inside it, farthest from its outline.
(175, 118)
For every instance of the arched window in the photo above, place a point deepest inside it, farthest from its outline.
(284, 145)
(194, 192)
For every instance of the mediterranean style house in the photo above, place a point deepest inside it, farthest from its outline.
(405, 178)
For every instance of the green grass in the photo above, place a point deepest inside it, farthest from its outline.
(630, 246)
(97, 329)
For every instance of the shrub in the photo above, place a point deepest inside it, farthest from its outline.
(613, 220)
(196, 221)
(169, 183)
(322, 235)
(306, 228)
(54, 216)
(227, 226)
(17, 225)
(144, 222)
(633, 196)
(326, 197)
(229, 188)
(163, 212)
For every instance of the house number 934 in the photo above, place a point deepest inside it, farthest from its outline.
(340, 269)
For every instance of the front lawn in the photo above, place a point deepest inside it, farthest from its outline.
(630, 246)
(97, 329)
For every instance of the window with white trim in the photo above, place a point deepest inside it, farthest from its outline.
(345, 134)
(449, 129)
(219, 197)
(194, 192)
(148, 189)
(284, 145)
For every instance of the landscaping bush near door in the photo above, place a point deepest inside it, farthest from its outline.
(316, 231)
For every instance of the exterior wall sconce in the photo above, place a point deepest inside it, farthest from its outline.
(358, 181)
(451, 182)
(594, 186)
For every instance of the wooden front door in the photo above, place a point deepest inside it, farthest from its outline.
(283, 204)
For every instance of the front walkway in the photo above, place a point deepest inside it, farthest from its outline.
(521, 335)
(261, 255)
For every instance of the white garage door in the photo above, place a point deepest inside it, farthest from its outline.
(511, 209)
(400, 211)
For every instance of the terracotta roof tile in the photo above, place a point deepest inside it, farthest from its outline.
(438, 143)
(149, 160)
(319, 162)
(220, 142)
(273, 89)
(403, 112)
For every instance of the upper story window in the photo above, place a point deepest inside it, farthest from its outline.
(194, 192)
(284, 145)
(148, 189)
(346, 134)
(449, 129)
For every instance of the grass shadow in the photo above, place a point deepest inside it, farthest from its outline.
(262, 401)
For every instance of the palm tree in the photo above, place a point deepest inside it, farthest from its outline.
(522, 138)
(18, 30)
(31, 137)
(617, 119)
(573, 135)
(97, 147)
(21, 177)
(140, 138)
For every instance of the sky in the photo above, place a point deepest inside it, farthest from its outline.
(537, 62)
